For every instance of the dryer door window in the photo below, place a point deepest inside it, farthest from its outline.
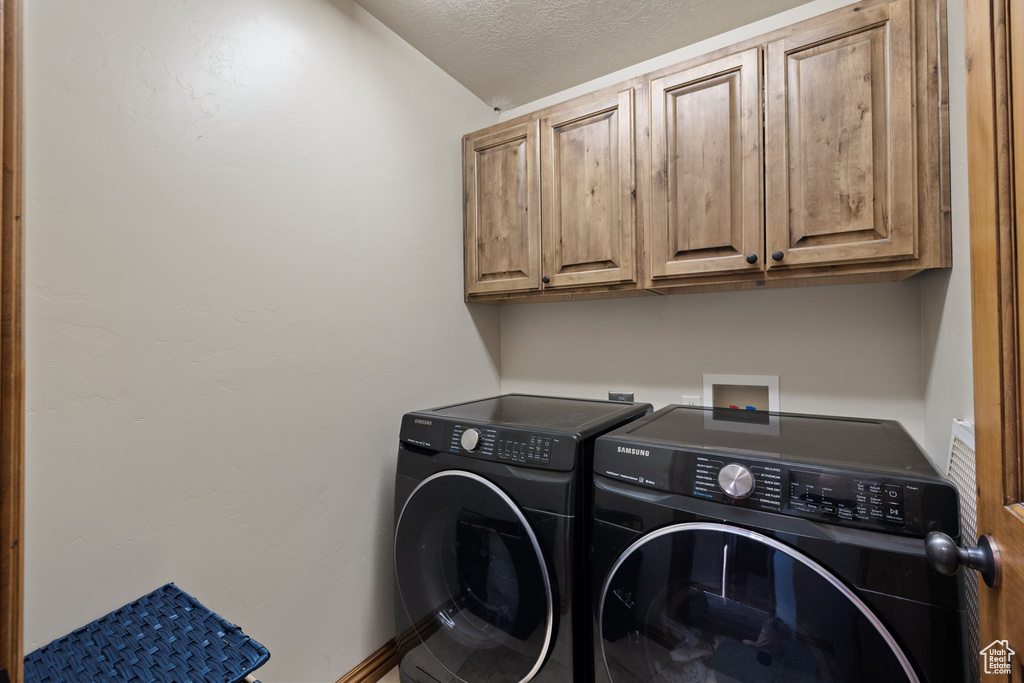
(473, 580)
(711, 602)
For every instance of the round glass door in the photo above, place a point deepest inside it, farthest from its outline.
(473, 580)
(709, 602)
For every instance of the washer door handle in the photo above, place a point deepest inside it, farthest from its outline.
(945, 557)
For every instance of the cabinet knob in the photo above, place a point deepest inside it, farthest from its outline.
(777, 255)
(751, 258)
(545, 279)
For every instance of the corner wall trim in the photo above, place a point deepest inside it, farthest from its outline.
(375, 666)
(12, 360)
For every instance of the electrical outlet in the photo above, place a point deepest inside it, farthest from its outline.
(624, 396)
(690, 400)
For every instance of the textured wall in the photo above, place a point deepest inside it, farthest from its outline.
(244, 263)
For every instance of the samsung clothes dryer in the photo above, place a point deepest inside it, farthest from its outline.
(490, 501)
(734, 546)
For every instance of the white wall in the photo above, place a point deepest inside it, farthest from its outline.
(244, 261)
(851, 350)
(946, 295)
(899, 350)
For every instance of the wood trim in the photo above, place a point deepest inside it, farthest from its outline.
(374, 667)
(12, 366)
(996, 284)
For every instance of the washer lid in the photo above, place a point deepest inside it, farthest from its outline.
(696, 602)
(880, 446)
(473, 580)
(567, 415)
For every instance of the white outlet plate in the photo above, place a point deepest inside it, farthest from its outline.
(694, 400)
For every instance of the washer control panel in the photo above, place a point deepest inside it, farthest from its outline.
(711, 472)
(902, 505)
(848, 498)
(513, 446)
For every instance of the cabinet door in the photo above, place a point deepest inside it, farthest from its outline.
(502, 211)
(706, 208)
(589, 225)
(840, 164)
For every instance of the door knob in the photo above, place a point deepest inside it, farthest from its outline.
(945, 557)
(777, 255)
(545, 279)
(751, 258)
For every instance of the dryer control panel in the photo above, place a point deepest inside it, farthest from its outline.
(895, 504)
(510, 445)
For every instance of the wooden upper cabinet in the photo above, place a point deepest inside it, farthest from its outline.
(588, 228)
(840, 141)
(706, 209)
(502, 210)
(816, 153)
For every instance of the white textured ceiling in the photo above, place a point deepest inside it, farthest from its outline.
(512, 52)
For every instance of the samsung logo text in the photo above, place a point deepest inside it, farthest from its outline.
(634, 451)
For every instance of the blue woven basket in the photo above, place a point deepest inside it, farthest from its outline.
(166, 636)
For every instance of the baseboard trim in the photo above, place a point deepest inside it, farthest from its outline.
(375, 666)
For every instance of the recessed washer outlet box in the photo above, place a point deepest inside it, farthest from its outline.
(743, 392)
(742, 403)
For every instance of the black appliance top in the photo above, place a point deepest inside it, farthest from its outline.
(568, 415)
(844, 442)
(840, 470)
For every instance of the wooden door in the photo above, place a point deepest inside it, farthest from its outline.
(502, 210)
(995, 117)
(589, 221)
(840, 163)
(12, 367)
(706, 208)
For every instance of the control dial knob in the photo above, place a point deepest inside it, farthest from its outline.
(736, 481)
(470, 439)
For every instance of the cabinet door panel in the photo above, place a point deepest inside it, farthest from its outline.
(840, 141)
(589, 227)
(502, 210)
(706, 163)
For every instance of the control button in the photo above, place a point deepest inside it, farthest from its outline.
(893, 513)
(876, 512)
(893, 493)
(874, 487)
(875, 500)
(470, 439)
(797, 504)
(830, 509)
(736, 481)
(845, 513)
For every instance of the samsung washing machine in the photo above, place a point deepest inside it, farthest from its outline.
(490, 501)
(749, 546)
